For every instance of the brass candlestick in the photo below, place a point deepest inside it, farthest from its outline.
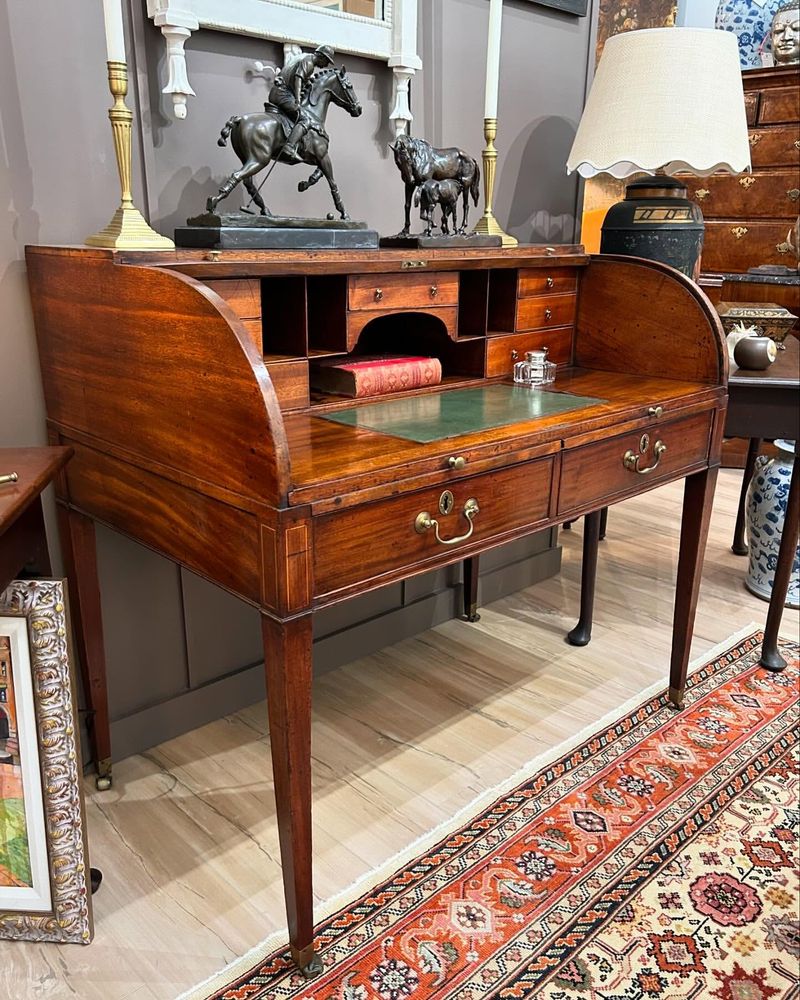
(488, 224)
(127, 229)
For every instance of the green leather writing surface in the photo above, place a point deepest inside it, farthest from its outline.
(440, 415)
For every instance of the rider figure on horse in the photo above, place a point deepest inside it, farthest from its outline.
(287, 89)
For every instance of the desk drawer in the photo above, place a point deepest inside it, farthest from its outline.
(541, 281)
(503, 352)
(376, 540)
(775, 147)
(543, 311)
(598, 471)
(779, 106)
(402, 291)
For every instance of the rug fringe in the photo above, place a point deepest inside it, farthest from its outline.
(427, 840)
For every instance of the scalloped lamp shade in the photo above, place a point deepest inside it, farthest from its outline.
(664, 98)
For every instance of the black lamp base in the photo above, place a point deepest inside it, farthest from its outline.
(656, 221)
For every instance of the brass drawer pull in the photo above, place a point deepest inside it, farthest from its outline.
(797, 143)
(655, 411)
(434, 291)
(747, 182)
(549, 282)
(424, 522)
(739, 231)
(514, 355)
(755, 138)
(631, 460)
(456, 462)
(793, 194)
(702, 193)
(548, 314)
(378, 294)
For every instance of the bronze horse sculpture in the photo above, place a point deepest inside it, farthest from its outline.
(419, 162)
(258, 139)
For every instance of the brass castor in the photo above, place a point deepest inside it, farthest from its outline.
(676, 702)
(473, 616)
(313, 968)
(102, 782)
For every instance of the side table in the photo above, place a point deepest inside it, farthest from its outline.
(766, 405)
(24, 475)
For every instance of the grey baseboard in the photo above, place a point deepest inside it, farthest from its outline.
(198, 706)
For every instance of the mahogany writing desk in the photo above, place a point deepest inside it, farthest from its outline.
(180, 379)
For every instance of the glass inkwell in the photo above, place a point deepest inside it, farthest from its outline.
(535, 369)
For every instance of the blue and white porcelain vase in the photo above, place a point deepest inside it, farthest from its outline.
(750, 21)
(767, 497)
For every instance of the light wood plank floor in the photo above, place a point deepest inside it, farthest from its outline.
(402, 739)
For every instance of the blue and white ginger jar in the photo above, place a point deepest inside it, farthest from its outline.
(767, 498)
(750, 21)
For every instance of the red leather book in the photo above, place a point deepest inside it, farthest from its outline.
(374, 376)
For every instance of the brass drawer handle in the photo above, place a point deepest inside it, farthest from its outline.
(797, 143)
(784, 247)
(434, 291)
(655, 411)
(702, 193)
(631, 460)
(514, 354)
(747, 182)
(378, 294)
(549, 282)
(793, 194)
(739, 231)
(755, 138)
(424, 522)
(548, 314)
(456, 462)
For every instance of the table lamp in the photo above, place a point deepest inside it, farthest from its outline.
(663, 100)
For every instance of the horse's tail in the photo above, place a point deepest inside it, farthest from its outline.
(474, 187)
(228, 128)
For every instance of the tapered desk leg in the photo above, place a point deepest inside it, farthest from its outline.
(739, 546)
(78, 547)
(603, 522)
(582, 633)
(770, 657)
(698, 496)
(287, 656)
(471, 589)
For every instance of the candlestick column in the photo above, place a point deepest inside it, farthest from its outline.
(488, 224)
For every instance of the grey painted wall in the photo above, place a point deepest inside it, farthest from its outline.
(179, 650)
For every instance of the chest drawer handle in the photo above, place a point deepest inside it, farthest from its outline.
(550, 282)
(701, 193)
(655, 411)
(456, 462)
(739, 231)
(631, 461)
(548, 314)
(424, 522)
(378, 294)
(747, 182)
(434, 291)
(793, 194)
(755, 138)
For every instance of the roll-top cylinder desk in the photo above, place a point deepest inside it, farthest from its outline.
(180, 380)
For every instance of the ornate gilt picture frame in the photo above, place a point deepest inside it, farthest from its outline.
(44, 873)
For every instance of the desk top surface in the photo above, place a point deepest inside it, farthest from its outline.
(35, 468)
(324, 453)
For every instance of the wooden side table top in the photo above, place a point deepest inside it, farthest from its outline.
(35, 469)
(784, 372)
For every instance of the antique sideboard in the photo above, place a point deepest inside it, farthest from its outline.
(180, 381)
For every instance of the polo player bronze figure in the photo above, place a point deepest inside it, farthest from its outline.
(290, 131)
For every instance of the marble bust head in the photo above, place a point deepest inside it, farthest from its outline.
(786, 34)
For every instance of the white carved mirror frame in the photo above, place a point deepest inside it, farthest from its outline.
(392, 38)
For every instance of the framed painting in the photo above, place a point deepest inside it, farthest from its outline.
(44, 874)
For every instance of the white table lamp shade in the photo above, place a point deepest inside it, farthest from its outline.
(664, 98)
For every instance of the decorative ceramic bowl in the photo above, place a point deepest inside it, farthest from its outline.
(755, 353)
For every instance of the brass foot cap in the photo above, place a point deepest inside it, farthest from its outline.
(307, 961)
(676, 701)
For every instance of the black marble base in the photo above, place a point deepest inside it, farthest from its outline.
(223, 237)
(251, 220)
(420, 242)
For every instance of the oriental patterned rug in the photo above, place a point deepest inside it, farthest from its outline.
(654, 858)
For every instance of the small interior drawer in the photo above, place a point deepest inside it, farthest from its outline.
(402, 291)
(539, 281)
(779, 106)
(377, 539)
(545, 311)
(290, 381)
(503, 352)
(598, 471)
